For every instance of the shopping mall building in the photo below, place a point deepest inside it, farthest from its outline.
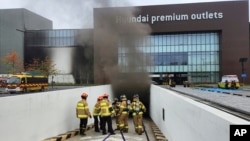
(198, 42)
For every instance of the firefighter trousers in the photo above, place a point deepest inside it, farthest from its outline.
(123, 121)
(137, 119)
(96, 124)
(83, 125)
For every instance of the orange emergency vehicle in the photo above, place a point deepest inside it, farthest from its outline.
(3, 82)
(24, 82)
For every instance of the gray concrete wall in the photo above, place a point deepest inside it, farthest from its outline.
(37, 116)
(10, 38)
(188, 120)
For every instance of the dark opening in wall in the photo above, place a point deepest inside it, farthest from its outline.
(163, 114)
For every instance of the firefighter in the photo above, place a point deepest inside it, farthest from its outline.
(82, 112)
(116, 107)
(96, 113)
(106, 113)
(123, 114)
(137, 108)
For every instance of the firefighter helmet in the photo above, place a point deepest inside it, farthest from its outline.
(136, 96)
(116, 99)
(84, 95)
(123, 97)
(100, 97)
(105, 95)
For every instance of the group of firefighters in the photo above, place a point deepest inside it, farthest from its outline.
(104, 110)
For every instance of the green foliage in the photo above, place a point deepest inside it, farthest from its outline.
(45, 67)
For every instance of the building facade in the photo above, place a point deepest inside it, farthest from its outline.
(69, 49)
(197, 42)
(13, 24)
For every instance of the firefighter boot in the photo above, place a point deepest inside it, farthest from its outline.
(125, 130)
(82, 132)
(136, 130)
(139, 131)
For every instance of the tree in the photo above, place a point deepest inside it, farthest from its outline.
(45, 67)
(14, 61)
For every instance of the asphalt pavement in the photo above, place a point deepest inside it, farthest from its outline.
(236, 99)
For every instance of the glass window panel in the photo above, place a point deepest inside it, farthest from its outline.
(156, 40)
(160, 40)
(160, 68)
(208, 38)
(181, 40)
(216, 47)
(199, 39)
(181, 68)
(194, 68)
(203, 38)
(185, 68)
(171, 40)
(216, 39)
(164, 40)
(185, 48)
(176, 40)
(168, 40)
(164, 49)
(193, 48)
(189, 39)
(193, 39)
(213, 38)
(185, 39)
(203, 47)
(198, 47)
(152, 40)
(208, 67)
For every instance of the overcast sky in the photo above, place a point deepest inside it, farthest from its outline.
(73, 14)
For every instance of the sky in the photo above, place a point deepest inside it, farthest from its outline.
(75, 14)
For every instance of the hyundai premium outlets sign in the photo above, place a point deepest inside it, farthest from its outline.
(152, 19)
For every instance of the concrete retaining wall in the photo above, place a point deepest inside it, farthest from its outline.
(37, 116)
(188, 120)
(31, 117)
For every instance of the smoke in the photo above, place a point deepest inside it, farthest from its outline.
(131, 76)
(79, 14)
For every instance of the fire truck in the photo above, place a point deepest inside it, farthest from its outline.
(3, 82)
(25, 82)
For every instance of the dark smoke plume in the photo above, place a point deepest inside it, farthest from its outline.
(75, 12)
(135, 79)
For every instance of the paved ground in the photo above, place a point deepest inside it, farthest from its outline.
(237, 99)
(130, 136)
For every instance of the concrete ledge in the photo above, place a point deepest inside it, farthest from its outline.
(157, 133)
(67, 135)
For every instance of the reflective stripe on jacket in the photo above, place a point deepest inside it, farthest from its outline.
(123, 108)
(106, 108)
(82, 109)
(96, 110)
(137, 108)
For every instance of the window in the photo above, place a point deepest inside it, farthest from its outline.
(195, 53)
